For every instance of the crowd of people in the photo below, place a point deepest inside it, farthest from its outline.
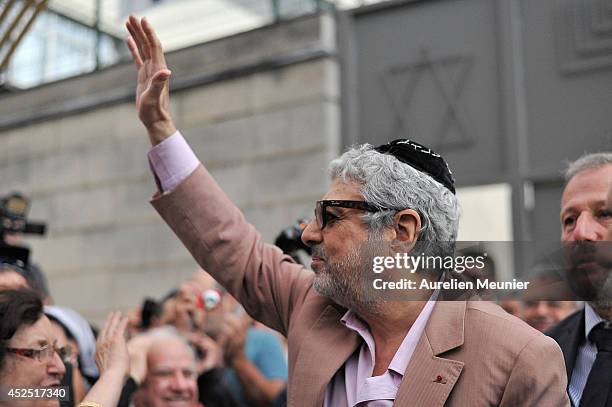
(257, 328)
(195, 345)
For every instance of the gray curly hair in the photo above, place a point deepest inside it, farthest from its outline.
(389, 183)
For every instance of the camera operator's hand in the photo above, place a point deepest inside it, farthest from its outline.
(152, 92)
(209, 352)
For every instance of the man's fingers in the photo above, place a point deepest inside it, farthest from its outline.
(139, 37)
(105, 329)
(121, 326)
(156, 50)
(129, 24)
(112, 325)
(134, 51)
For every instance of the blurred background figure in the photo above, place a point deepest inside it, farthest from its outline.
(14, 209)
(169, 368)
(73, 331)
(585, 337)
(474, 274)
(10, 279)
(289, 240)
(31, 355)
(13, 261)
(512, 306)
(543, 315)
(254, 355)
(37, 280)
(548, 299)
(256, 360)
(170, 376)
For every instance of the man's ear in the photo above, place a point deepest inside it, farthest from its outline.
(407, 225)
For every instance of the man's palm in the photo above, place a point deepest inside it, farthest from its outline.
(152, 91)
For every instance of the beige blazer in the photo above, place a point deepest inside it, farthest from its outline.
(472, 353)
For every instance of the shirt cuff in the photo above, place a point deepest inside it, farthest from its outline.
(171, 162)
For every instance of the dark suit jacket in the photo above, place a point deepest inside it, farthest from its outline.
(471, 353)
(569, 334)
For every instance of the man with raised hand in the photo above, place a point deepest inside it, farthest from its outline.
(586, 231)
(347, 348)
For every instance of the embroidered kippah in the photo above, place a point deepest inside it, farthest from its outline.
(421, 158)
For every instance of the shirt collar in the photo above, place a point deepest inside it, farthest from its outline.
(591, 318)
(402, 357)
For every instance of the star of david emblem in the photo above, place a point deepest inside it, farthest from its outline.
(446, 78)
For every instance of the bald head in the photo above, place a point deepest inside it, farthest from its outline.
(168, 346)
(171, 377)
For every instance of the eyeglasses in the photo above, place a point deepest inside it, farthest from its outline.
(43, 354)
(323, 217)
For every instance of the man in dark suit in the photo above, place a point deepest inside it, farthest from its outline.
(586, 231)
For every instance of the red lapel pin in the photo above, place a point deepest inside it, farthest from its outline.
(440, 379)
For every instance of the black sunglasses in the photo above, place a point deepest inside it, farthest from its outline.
(322, 216)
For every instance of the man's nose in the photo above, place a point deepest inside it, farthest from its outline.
(542, 308)
(179, 382)
(586, 228)
(311, 235)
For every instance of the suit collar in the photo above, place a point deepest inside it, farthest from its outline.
(429, 378)
(445, 329)
(326, 347)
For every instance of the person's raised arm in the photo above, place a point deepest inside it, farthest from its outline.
(212, 228)
(152, 91)
(112, 360)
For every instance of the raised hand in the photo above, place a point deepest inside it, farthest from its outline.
(210, 354)
(152, 91)
(113, 361)
(111, 347)
(233, 336)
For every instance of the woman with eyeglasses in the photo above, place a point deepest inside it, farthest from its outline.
(31, 363)
(73, 331)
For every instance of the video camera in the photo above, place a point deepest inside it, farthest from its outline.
(290, 242)
(14, 210)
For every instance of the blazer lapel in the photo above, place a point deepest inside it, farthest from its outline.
(570, 339)
(429, 379)
(327, 345)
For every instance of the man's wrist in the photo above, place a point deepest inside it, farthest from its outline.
(159, 131)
